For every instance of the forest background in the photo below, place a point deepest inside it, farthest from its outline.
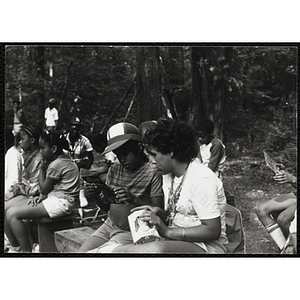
(250, 92)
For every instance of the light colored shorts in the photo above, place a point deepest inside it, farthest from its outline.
(108, 231)
(57, 207)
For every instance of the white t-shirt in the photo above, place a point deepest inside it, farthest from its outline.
(13, 167)
(51, 115)
(202, 197)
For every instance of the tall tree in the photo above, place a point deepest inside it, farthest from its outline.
(211, 73)
(148, 83)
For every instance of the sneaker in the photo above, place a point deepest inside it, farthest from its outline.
(6, 244)
(35, 248)
(14, 249)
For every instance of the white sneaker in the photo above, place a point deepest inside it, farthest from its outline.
(35, 248)
(14, 249)
(6, 244)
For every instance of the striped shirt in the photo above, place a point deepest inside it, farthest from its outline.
(146, 182)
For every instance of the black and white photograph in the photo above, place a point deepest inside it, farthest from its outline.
(145, 80)
(202, 138)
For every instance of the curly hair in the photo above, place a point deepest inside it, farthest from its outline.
(171, 136)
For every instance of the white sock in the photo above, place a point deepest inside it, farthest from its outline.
(276, 234)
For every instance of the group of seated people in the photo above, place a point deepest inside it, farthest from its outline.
(166, 169)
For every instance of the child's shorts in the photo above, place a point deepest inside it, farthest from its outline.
(57, 207)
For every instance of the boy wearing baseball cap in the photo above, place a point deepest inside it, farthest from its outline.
(134, 181)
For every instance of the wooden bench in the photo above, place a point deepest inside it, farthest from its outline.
(46, 228)
(70, 240)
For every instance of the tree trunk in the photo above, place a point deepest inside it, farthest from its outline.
(222, 91)
(196, 87)
(148, 84)
(41, 83)
(210, 74)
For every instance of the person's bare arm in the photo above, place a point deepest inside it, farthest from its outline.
(209, 230)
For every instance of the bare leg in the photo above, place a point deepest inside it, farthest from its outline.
(161, 247)
(285, 218)
(31, 237)
(277, 204)
(10, 235)
(16, 201)
(15, 216)
(267, 213)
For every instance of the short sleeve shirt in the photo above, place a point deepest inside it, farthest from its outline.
(202, 197)
(31, 167)
(213, 155)
(66, 174)
(80, 147)
(144, 183)
(51, 115)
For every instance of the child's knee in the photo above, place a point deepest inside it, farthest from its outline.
(284, 219)
(261, 210)
(10, 213)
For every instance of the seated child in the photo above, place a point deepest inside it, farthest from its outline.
(32, 158)
(134, 181)
(277, 213)
(28, 184)
(59, 189)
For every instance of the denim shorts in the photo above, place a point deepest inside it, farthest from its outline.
(108, 231)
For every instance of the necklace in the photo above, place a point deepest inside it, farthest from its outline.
(173, 197)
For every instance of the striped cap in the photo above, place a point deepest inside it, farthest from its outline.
(33, 130)
(119, 134)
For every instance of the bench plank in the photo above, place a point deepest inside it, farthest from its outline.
(70, 240)
(46, 229)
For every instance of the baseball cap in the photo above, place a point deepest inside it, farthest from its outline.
(75, 121)
(52, 100)
(119, 134)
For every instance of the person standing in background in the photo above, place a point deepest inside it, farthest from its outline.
(51, 116)
(18, 120)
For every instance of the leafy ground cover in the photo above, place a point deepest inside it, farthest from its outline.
(251, 183)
